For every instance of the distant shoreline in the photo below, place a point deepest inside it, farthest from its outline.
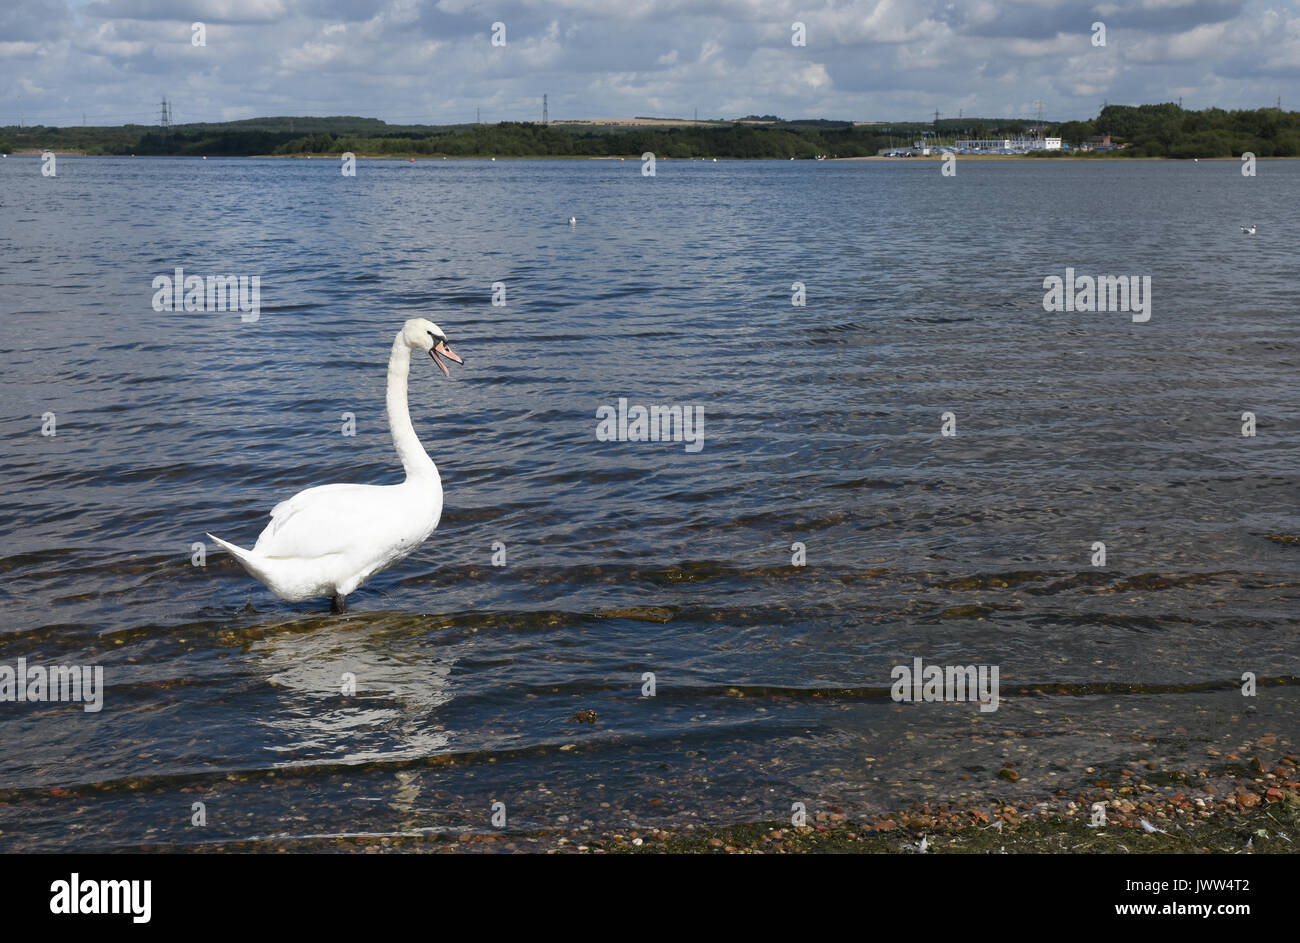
(1074, 158)
(1139, 132)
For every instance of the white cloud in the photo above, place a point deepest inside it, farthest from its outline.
(105, 42)
(312, 56)
(423, 60)
(14, 50)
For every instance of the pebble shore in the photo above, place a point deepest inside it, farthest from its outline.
(1237, 805)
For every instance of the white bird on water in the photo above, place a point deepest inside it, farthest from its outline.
(573, 220)
(1248, 230)
(328, 540)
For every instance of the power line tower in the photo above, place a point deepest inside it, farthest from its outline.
(478, 115)
(546, 118)
(164, 119)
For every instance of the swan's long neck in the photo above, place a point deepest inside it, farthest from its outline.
(415, 460)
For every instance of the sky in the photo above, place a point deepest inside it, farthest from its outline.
(434, 61)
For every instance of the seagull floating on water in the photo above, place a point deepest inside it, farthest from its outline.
(1248, 230)
(573, 220)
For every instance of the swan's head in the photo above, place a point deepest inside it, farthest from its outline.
(423, 334)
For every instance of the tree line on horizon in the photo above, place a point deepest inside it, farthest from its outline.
(1164, 130)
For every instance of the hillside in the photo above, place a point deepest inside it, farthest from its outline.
(1164, 130)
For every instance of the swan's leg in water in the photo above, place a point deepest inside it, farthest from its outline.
(340, 603)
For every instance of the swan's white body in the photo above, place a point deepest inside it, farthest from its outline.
(327, 541)
(1248, 230)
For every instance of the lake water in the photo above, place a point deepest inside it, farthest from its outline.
(822, 426)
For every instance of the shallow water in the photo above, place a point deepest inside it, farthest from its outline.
(821, 424)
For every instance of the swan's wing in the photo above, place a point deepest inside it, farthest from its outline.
(283, 512)
(325, 520)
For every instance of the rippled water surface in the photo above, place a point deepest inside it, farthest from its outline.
(822, 427)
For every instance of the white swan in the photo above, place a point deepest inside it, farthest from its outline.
(1248, 230)
(573, 220)
(330, 539)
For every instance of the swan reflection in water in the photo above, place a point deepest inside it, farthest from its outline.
(402, 678)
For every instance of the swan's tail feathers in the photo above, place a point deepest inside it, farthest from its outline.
(245, 557)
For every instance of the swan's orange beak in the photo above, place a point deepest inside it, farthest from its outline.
(442, 348)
